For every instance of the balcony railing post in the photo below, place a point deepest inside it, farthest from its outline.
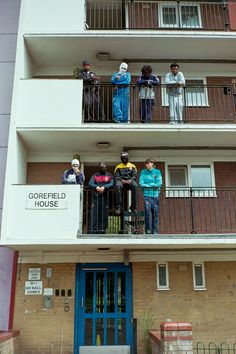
(192, 212)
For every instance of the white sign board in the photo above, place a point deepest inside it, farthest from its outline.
(48, 291)
(34, 274)
(46, 200)
(33, 288)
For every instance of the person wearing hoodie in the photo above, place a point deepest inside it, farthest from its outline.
(100, 183)
(146, 81)
(121, 94)
(150, 181)
(74, 175)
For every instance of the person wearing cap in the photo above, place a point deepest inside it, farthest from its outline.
(120, 101)
(150, 181)
(125, 178)
(100, 182)
(74, 175)
(93, 108)
(175, 82)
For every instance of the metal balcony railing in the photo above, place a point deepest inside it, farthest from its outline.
(181, 211)
(157, 15)
(199, 104)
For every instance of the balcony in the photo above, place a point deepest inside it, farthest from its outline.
(201, 104)
(157, 15)
(182, 211)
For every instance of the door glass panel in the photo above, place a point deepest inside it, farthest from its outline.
(89, 292)
(99, 331)
(121, 331)
(88, 336)
(100, 292)
(110, 331)
(169, 16)
(121, 292)
(110, 292)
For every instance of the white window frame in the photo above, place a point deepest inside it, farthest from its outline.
(159, 286)
(177, 24)
(184, 191)
(203, 285)
(202, 98)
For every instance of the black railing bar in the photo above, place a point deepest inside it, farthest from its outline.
(218, 2)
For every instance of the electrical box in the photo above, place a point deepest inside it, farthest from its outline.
(47, 302)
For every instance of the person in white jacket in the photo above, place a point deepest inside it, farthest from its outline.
(175, 82)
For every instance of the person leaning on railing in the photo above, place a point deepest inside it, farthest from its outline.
(175, 82)
(146, 81)
(121, 94)
(74, 175)
(150, 181)
(93, 107)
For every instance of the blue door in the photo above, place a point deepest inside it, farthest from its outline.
(103, 307)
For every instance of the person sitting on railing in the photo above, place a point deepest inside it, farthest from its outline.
(175, 82)
(121, 94)
(150, 181)
(100, 182)
(74, 175)
(146, 81)
(93, 108)
(125, 176)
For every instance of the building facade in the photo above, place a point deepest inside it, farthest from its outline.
(79, 291)
(9, 18)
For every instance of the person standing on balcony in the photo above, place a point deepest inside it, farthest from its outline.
(175, 82)
(74, 175)
(93, 108)
(150, 181)
(120, 101)
(100, 182)
(125, 177)
(146, 81)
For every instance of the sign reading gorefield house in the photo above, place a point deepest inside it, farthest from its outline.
(33, 288)
(46, 200)
(34, 274)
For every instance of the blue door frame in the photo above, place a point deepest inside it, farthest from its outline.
(87, 309)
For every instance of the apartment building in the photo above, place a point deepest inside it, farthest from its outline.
(9, 16)
(83, 292)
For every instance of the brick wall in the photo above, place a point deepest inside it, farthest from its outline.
(232, 15)
(45, 331)
(210, 312)
(9, 342)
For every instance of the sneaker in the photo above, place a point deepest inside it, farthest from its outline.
(147, 232)
(117, 211)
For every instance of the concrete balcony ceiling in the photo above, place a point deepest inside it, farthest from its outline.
(135, 136)
(60, 50)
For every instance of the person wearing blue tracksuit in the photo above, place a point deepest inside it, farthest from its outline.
(121, 94)
(150, 181)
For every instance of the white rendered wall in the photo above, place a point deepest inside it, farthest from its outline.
(59, 16)
(49, 103)
(40, 223)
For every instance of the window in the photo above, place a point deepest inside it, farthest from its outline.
(162, 276)
(184, 15)
(181, 179)
(199, 276)
(196, 93)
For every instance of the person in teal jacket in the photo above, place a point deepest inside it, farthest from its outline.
(150, 181)
(121, 94)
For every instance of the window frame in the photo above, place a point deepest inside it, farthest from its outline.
(188, 102)
(159, 286)
(178, 23)
(195, 286)
(185, 191)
